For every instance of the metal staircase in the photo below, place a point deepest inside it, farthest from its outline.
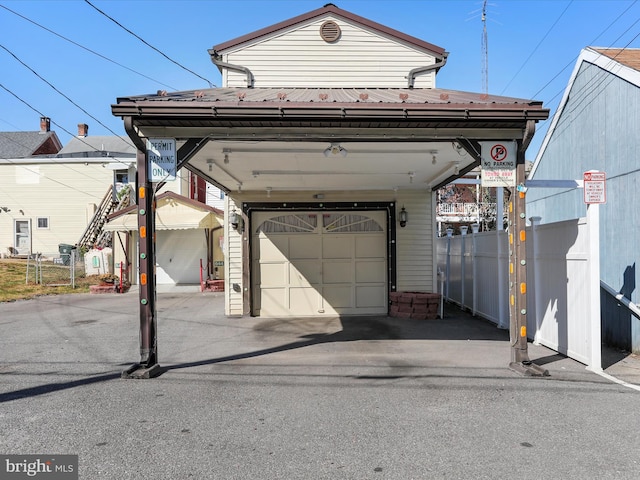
(94, 235)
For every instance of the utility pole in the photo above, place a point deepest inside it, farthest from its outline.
(485, 51)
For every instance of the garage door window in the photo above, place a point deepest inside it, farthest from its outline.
(349, 223)
(290, 224)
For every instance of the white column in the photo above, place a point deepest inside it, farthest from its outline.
(448, 265)
(463, 261)
(474, 231)
(593, 224)
(533, 269)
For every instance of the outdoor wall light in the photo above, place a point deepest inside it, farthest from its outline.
(334, 150)
(403, 217)
(5, 209)
(236, 221)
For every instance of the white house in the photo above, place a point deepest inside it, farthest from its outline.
(329, 137)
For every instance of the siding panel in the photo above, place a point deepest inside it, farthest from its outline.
(300, 58)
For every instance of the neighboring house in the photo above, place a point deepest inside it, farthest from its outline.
(51, 193)
(597, 127)
(188, 238)
(329, 139)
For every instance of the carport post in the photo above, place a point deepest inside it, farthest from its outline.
(148, 366)
(518, 274)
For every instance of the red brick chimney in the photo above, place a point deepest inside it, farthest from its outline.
(45, 124)
(83, 129)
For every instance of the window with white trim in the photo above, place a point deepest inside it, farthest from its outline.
(42, 223)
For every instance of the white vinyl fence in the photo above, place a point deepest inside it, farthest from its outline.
(563, 282)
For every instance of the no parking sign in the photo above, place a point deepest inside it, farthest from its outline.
(499, 164)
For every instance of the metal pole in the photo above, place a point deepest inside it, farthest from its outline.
(148, 366)
(463, 261)
(518, 275)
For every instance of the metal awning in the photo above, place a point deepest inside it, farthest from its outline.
(174, 212)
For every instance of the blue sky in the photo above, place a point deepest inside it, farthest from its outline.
(532, 48)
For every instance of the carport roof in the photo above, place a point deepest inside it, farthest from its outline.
(356, 107)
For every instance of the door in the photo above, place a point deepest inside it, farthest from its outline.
(22, 237)
(319, 263)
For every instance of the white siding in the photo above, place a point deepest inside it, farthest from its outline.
(300, 58)
(414, 249)
(66, 194)
(233, 265)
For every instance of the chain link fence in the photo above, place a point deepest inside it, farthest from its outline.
(56, 271)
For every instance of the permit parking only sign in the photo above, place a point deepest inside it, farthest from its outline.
(161, 159)
(499, 163)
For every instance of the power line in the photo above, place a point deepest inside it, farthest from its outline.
(43, 115)
(87, 49)
(536, 47)
(591, 43)
(56, 89)
(211, 85)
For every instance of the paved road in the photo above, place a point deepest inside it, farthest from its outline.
(247, 398)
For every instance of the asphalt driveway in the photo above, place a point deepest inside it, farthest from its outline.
(352, 398)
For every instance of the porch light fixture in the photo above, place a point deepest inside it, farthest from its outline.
(236, 221)
(334, 150)
(226, 156)
(403, 217)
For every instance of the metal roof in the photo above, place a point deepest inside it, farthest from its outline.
(351, 107)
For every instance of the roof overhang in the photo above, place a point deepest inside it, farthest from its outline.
(262, 139)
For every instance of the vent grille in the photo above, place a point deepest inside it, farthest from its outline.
(330, 31)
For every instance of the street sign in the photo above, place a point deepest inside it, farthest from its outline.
(161, 159)
(499, 164)
(595, 190)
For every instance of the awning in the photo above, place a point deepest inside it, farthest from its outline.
(173, 212)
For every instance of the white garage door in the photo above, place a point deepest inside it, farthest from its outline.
(319, 263)
(178, 254)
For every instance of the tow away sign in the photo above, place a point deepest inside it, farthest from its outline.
(499, 164)
(161, 159)
(595, 190)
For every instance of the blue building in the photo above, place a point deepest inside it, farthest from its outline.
(597, 127)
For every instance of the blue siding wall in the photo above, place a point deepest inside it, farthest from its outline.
(599, 128)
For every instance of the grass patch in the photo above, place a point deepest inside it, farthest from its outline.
(13, 285)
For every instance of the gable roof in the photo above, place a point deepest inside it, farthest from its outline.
(98, 146)
(621, 62)
(27, 144)
(626, 56)
(327, 10)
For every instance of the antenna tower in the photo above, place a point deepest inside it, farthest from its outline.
(485, 51)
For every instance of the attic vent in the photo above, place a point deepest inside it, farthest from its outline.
(330, 31)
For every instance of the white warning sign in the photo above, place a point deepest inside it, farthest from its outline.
(595, 190)
(161, 159)
(499, 163)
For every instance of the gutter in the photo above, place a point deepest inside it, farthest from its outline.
(217, 61)
(411, 77)
(133, 134)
